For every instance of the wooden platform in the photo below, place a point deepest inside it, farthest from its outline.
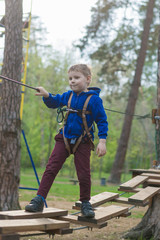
(148, 178)
(125, 200)
(136, 172)
(13, 222)
(152, 182)
(105, 213)
(144, 195)
(151, 175)
(134, 182)
(21, 225)
(98, 199)
(132, 190)
(74, 219)
(22, 214)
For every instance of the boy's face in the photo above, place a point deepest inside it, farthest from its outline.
(78, 82)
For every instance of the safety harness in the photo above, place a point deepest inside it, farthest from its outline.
(86, 131)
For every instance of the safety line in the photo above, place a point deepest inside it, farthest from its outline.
(20, 83)
(134, 115)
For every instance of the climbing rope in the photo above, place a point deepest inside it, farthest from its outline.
(19, 83)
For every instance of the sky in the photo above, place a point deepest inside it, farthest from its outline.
(64, 19)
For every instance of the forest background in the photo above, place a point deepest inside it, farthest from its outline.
(110, 45)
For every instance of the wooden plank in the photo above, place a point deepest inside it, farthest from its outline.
(105, 213)
(151, 175)
(100, 199)
(127, 214)
(134, 182)
(144, 195)
(74, 219)
(136, 172)
(22, 214)
(153, 182)
(124, 200)
(134, 190)
(22, 225)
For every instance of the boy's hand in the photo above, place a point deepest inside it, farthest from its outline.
(42, 92)
(101, 148)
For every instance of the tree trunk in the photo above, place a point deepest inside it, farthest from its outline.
(149, 227)
(124, 138)
(10, 124)
(157, 126)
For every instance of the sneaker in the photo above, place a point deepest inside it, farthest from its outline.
(87, 210)
(36, 205)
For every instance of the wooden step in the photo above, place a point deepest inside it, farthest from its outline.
(23, 225)
(74, 219)
(22, 214)
(144, 195)
(151, 175)
(134, 182)
(136, 172)
(105, 213)
(125, 200)
(153, 182)
(98, 199)
(134, 190)
(122, 200)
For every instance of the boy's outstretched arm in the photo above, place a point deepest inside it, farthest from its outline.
(42, 92)
(101, 148)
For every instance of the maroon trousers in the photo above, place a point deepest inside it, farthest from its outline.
(55, 163)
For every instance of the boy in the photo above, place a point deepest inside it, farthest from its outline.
(76, 136)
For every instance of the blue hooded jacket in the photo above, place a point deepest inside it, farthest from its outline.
(74, 125)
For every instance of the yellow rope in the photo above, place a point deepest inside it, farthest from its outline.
(25, 65)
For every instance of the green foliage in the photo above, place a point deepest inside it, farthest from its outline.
(113, 38)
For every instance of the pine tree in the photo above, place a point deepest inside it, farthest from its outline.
(10, 124)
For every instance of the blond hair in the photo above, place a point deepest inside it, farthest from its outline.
(82, 68)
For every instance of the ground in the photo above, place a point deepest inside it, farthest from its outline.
(114, 230)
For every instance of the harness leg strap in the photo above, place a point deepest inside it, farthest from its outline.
(66, 143)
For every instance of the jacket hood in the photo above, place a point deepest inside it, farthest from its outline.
(91, 90)
(94, 90)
